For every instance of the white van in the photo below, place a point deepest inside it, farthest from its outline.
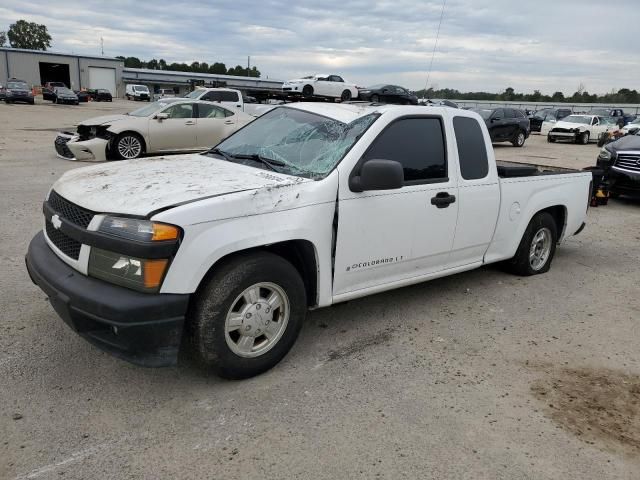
(137, 92)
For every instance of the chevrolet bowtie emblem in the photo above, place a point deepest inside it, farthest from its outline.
(56, 222)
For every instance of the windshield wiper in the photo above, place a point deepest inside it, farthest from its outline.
(269, 162)
(222, 153)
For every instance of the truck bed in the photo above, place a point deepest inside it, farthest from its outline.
(518, 169)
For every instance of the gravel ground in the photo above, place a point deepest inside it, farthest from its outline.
(481, 375)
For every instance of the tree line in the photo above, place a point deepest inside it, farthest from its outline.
(196, 67)
(581, 95)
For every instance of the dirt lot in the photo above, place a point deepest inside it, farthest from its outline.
(481, 375)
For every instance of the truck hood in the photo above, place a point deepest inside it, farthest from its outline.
(105, 119)
(139, 187)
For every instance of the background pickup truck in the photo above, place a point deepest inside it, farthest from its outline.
(229, 98)
(308, 205)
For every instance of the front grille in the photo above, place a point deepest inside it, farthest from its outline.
(61, 147)
(562, 130)
(628, 161)
(67, 245)
(72, 212)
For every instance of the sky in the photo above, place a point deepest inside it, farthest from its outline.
(484, 45)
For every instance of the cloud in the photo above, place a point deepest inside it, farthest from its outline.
(483, 45)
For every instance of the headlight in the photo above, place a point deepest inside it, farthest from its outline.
(605, 154)
(138, 230)
(135, 273)
(143, 275)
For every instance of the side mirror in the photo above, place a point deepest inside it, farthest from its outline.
(378, 175)
(161, 116)
(495, 119)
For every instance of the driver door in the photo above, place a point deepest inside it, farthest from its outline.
(387, 236)
(177, 132)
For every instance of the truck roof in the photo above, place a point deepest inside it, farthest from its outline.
(348, 112)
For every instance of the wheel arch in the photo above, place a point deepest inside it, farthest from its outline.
(302, 254)
(559, 214)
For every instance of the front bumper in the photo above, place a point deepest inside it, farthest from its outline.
(20, 97)
(68, 100)
(142, 328)
(69, 147)
(623, 182)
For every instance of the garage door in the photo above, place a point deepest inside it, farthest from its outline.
(103, 78)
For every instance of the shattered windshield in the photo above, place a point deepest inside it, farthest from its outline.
(295, 142)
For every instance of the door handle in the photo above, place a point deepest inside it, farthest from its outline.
(443, 199)
(190, 122)
(228, 122)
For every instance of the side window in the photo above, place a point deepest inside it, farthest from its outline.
(229, 96)
(498, 113)
(509, 113)
(184, 110)
(211, 96)
(210, 111)
(336, 78)
(595, 121)
(418, 144)
(472, 150)
(520, 114)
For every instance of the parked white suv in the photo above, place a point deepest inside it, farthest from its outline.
(318, 85)
(137, 92)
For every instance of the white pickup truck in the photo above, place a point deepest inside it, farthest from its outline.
(309, 205)
(231, 99)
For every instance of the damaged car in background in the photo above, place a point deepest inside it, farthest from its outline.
(170, 125)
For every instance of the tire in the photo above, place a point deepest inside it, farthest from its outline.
(346, 95)
(307, 91)
(583, 139)
(57, 101)
(124, 146)
(550, 139)
(519, 139)
(217, 345)
(530, 259)
(375, 98)
(614, 195)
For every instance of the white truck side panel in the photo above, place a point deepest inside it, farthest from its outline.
(523, 197)
(218, 226)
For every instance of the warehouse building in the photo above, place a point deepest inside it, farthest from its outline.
(76, 71)
(84, 71)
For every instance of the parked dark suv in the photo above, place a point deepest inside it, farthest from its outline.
(506, 125)
(620, 161)
(18, 91)
(547, 115)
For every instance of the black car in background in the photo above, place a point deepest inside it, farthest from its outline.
(82, 96)
(547, 115)
(18, 91)
(64, 95)
(100, 95)
(49, 87)
(620, 161)
(506, 125)
(387, 94)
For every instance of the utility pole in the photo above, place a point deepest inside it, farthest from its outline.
(102, 46)
(248, 66)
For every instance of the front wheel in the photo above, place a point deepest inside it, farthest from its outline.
(248, 315)
(518, 140)
(537, 247)
(550, 139)
(307, 91)
(128, 146)
(584, 138)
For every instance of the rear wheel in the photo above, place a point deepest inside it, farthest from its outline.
(375, 98)
(346, 96)
(537, 247)
(307, 91)
(248, 315)
(518, 140)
